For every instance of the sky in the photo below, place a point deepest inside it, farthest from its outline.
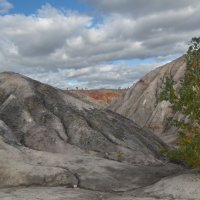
(94, 43)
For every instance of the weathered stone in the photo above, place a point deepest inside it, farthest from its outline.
(44, 118)
(141, 102)
(182, 186)
(50, 138)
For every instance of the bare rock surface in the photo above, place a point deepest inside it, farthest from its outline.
(48, 193)
(56, 146)
(21, 166)
(44, 118)
(180, 187)
(140, 103)
(184, 186)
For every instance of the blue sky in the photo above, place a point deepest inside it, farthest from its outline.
(31, 6)
(92, 43)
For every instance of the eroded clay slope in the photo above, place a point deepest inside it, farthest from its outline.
(140, 103)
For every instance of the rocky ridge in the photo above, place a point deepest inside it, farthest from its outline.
(140, 103)
(62, 147)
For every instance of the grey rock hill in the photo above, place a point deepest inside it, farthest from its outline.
(61, 147)
(140, 103)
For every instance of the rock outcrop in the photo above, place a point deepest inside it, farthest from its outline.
(43, 118)
(61, 147)
(140, 103)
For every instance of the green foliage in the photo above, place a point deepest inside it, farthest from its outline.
(188, 152)
(186, 100)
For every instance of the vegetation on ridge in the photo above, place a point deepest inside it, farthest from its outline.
(186, 100)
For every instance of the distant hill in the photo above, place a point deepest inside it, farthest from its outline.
(140, 103)
(102, 96)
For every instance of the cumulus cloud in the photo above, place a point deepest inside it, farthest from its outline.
(5, 6)
(100, 76)
(75, 47)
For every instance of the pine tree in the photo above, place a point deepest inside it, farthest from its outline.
(186, 100)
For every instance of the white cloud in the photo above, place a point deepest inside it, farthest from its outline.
(100, 76)
(53, 39)
(5, 6)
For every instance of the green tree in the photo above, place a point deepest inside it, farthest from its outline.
(186, 100)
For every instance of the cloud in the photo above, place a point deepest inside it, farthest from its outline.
(5, 6)
(75, 47)
(100, 76)
(140, 8)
